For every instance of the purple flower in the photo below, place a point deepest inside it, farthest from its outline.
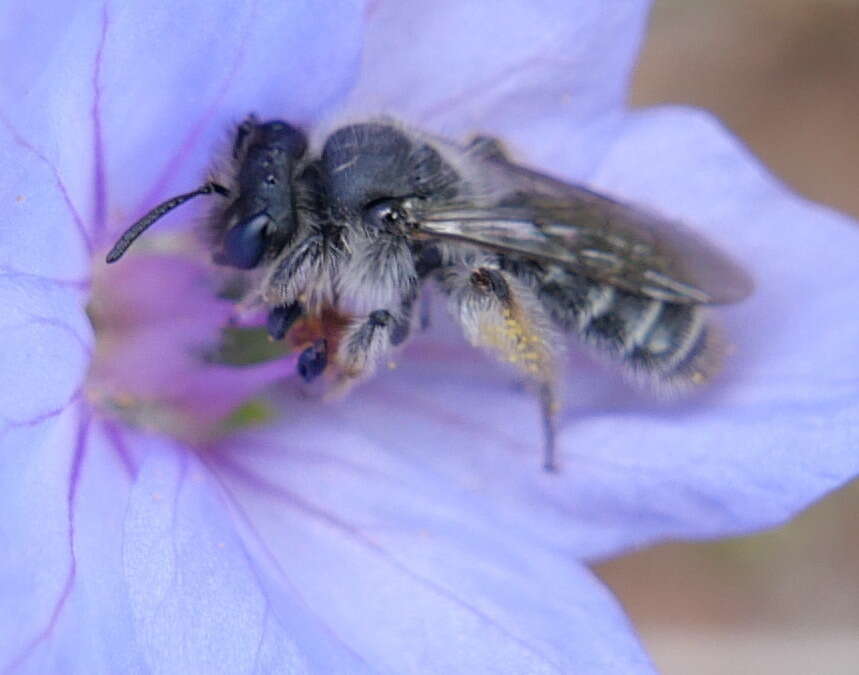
(407, 528)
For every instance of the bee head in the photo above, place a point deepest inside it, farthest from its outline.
(262, 218)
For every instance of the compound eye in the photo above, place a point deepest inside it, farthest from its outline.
(244, 243)
(385, 214)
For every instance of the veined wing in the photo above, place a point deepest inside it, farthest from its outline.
(545, 219)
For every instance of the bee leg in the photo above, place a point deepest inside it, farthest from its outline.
(281, 318)
(366, 342)
(501, 314)
(487, 147)
(548, 413)
(403, 321)
(425, 311)
(428, 259)
(289, 277)
(312, 361)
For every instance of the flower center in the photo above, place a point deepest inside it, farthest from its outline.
(174, 354)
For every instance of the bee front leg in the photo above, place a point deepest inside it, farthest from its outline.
(369, 340)
(313, 360)
(281, 318)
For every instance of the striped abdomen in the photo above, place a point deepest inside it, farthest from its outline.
(669, 342)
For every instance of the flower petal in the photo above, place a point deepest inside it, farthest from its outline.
(137, 106)
(125, 560)
(45, 342)
(45, 235)
(201, 598)
(423, 589)
(497, 67)
(63, 497)
(141, 566)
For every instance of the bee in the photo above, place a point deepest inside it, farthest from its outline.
(523, 259)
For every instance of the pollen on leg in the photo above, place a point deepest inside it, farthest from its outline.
(516, 340)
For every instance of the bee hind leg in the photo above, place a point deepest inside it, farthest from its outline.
(548, 414)
(501, 314)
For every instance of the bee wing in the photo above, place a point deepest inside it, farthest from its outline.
(548, 220)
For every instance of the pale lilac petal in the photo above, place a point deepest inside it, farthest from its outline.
(498, 67)
(783, 429)
(66, 607)
(126, 560)
(46, 345)
(149, 562)
(125, 101)
(45, 233)
(419, 588)
(202, 598)
(45, 342)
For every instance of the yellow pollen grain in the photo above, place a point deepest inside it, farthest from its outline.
(517, 344)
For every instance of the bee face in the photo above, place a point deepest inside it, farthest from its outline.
(261, 219)
(523, 259)
(267, 158)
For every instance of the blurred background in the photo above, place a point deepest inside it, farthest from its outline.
(784, 76)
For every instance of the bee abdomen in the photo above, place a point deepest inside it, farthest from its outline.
(677, 348)
(664, 342)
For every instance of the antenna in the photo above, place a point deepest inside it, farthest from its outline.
(133, 232)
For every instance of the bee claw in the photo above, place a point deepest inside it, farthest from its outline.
(281, 318)
(313, 360)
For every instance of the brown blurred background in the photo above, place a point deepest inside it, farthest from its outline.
(784, 75)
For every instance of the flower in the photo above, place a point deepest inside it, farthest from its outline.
(407, 528)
